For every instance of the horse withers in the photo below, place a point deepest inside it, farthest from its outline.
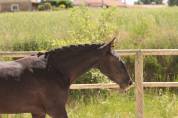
(39, 84)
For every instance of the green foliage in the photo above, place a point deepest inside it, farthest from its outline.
(85, 26)
(67, 3)
(59, 3)
(93, 76)
(153, 69)
(44, 6)
(173, 2)
(62, 6)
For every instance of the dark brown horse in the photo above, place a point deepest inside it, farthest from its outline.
(39, 84)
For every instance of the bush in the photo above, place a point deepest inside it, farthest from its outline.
(64, 3)
(62, 6)
(44, 7)
(84, 26)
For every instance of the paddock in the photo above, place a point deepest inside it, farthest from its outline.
(139, 81)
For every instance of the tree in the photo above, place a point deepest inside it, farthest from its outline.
(151, 1)
(66, 3)
(173, 2)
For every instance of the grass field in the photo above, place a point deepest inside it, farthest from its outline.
(137, 28)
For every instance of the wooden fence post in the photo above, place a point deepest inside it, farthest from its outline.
(139, 84)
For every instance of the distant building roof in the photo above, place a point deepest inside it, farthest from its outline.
(6, 1)
(9, 1)
(98, 2)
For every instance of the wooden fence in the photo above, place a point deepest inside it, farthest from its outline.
(139, 84)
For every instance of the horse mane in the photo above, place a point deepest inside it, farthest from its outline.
(72, 49)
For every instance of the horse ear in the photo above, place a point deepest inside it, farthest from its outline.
(106, 48)
(111, 43)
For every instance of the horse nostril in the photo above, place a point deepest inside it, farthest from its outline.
(130, 82)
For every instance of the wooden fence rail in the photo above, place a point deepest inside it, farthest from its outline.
(139, 84)
(115, 86)
(125, 52)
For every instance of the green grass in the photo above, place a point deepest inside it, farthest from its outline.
(117, 105)
(113, 106)
(40, 27)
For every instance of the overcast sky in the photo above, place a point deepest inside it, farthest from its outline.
(130, 1)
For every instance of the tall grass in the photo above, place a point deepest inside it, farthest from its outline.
(123, 106)
(31, 31)
(137, 28)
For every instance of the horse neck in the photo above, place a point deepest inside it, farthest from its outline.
(72, 66)
(82, 65)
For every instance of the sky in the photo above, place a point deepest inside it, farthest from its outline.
(130, 2)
